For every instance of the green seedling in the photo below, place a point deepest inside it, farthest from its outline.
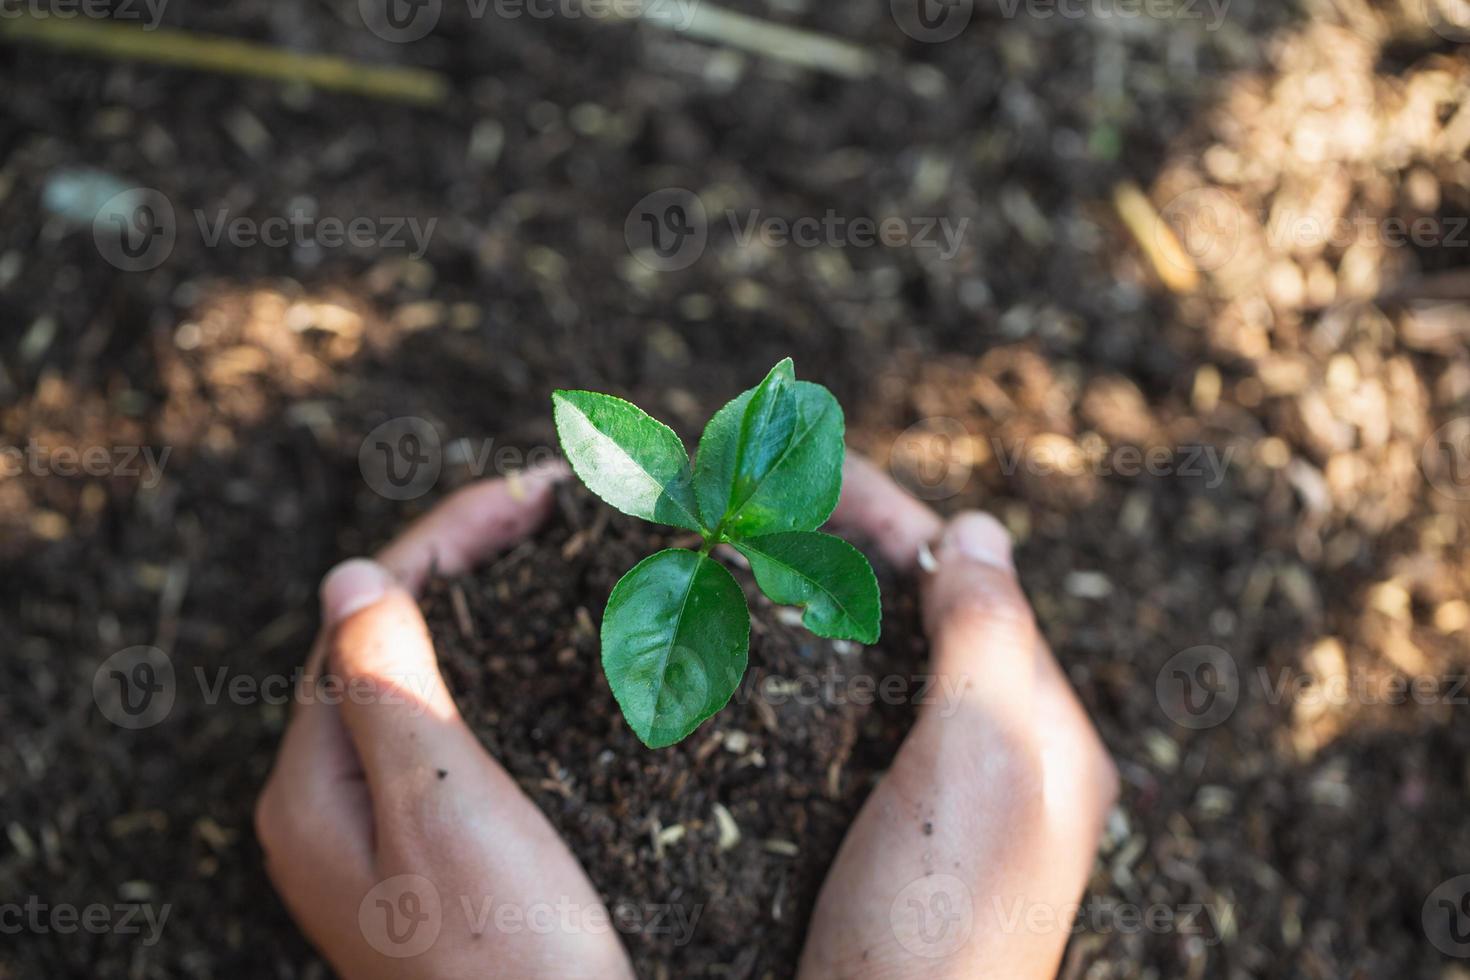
(676, 631)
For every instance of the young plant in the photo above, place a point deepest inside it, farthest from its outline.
(676, 631)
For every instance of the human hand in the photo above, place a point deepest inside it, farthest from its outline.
(388, 831)
(970, 856)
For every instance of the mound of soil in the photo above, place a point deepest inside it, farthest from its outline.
(709, 854)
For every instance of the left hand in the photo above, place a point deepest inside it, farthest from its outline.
(397, 843)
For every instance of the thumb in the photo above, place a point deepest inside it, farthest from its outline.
(980, 626)
(397, 709)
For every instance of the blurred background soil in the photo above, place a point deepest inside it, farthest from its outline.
(1180, 233)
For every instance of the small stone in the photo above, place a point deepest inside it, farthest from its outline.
(1452, 616)
(788, 616)
(1088, 585)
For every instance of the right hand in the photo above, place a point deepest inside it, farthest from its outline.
(993, 808)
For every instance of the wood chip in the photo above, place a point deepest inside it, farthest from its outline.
(462, 617)
(1170, 262)
(729, 829)
(807, 49)
(214, 835)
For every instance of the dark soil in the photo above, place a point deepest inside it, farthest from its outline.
(790, 759)
(1327, 552)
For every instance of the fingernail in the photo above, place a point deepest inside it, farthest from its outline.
(927, 562)
(551, 469)
(522, 482)
(355, 584)
(979, 537)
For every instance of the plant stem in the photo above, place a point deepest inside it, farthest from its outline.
(715, 537)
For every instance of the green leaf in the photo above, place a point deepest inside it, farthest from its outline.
(765, 431)
(795, 490)
(743, 441)
(824, 574)
(675, 641)
(626, 457)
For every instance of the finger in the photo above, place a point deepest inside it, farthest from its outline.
(314, 817)
(398, 712)
(429, 778)
(315, 791)
(874, 506)
(471, 524)
(978, 621)
(314, 808)
(316, 756)
(316, 748)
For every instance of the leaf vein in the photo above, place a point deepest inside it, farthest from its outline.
(796, 441)
(806, 578)
(663, 669)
